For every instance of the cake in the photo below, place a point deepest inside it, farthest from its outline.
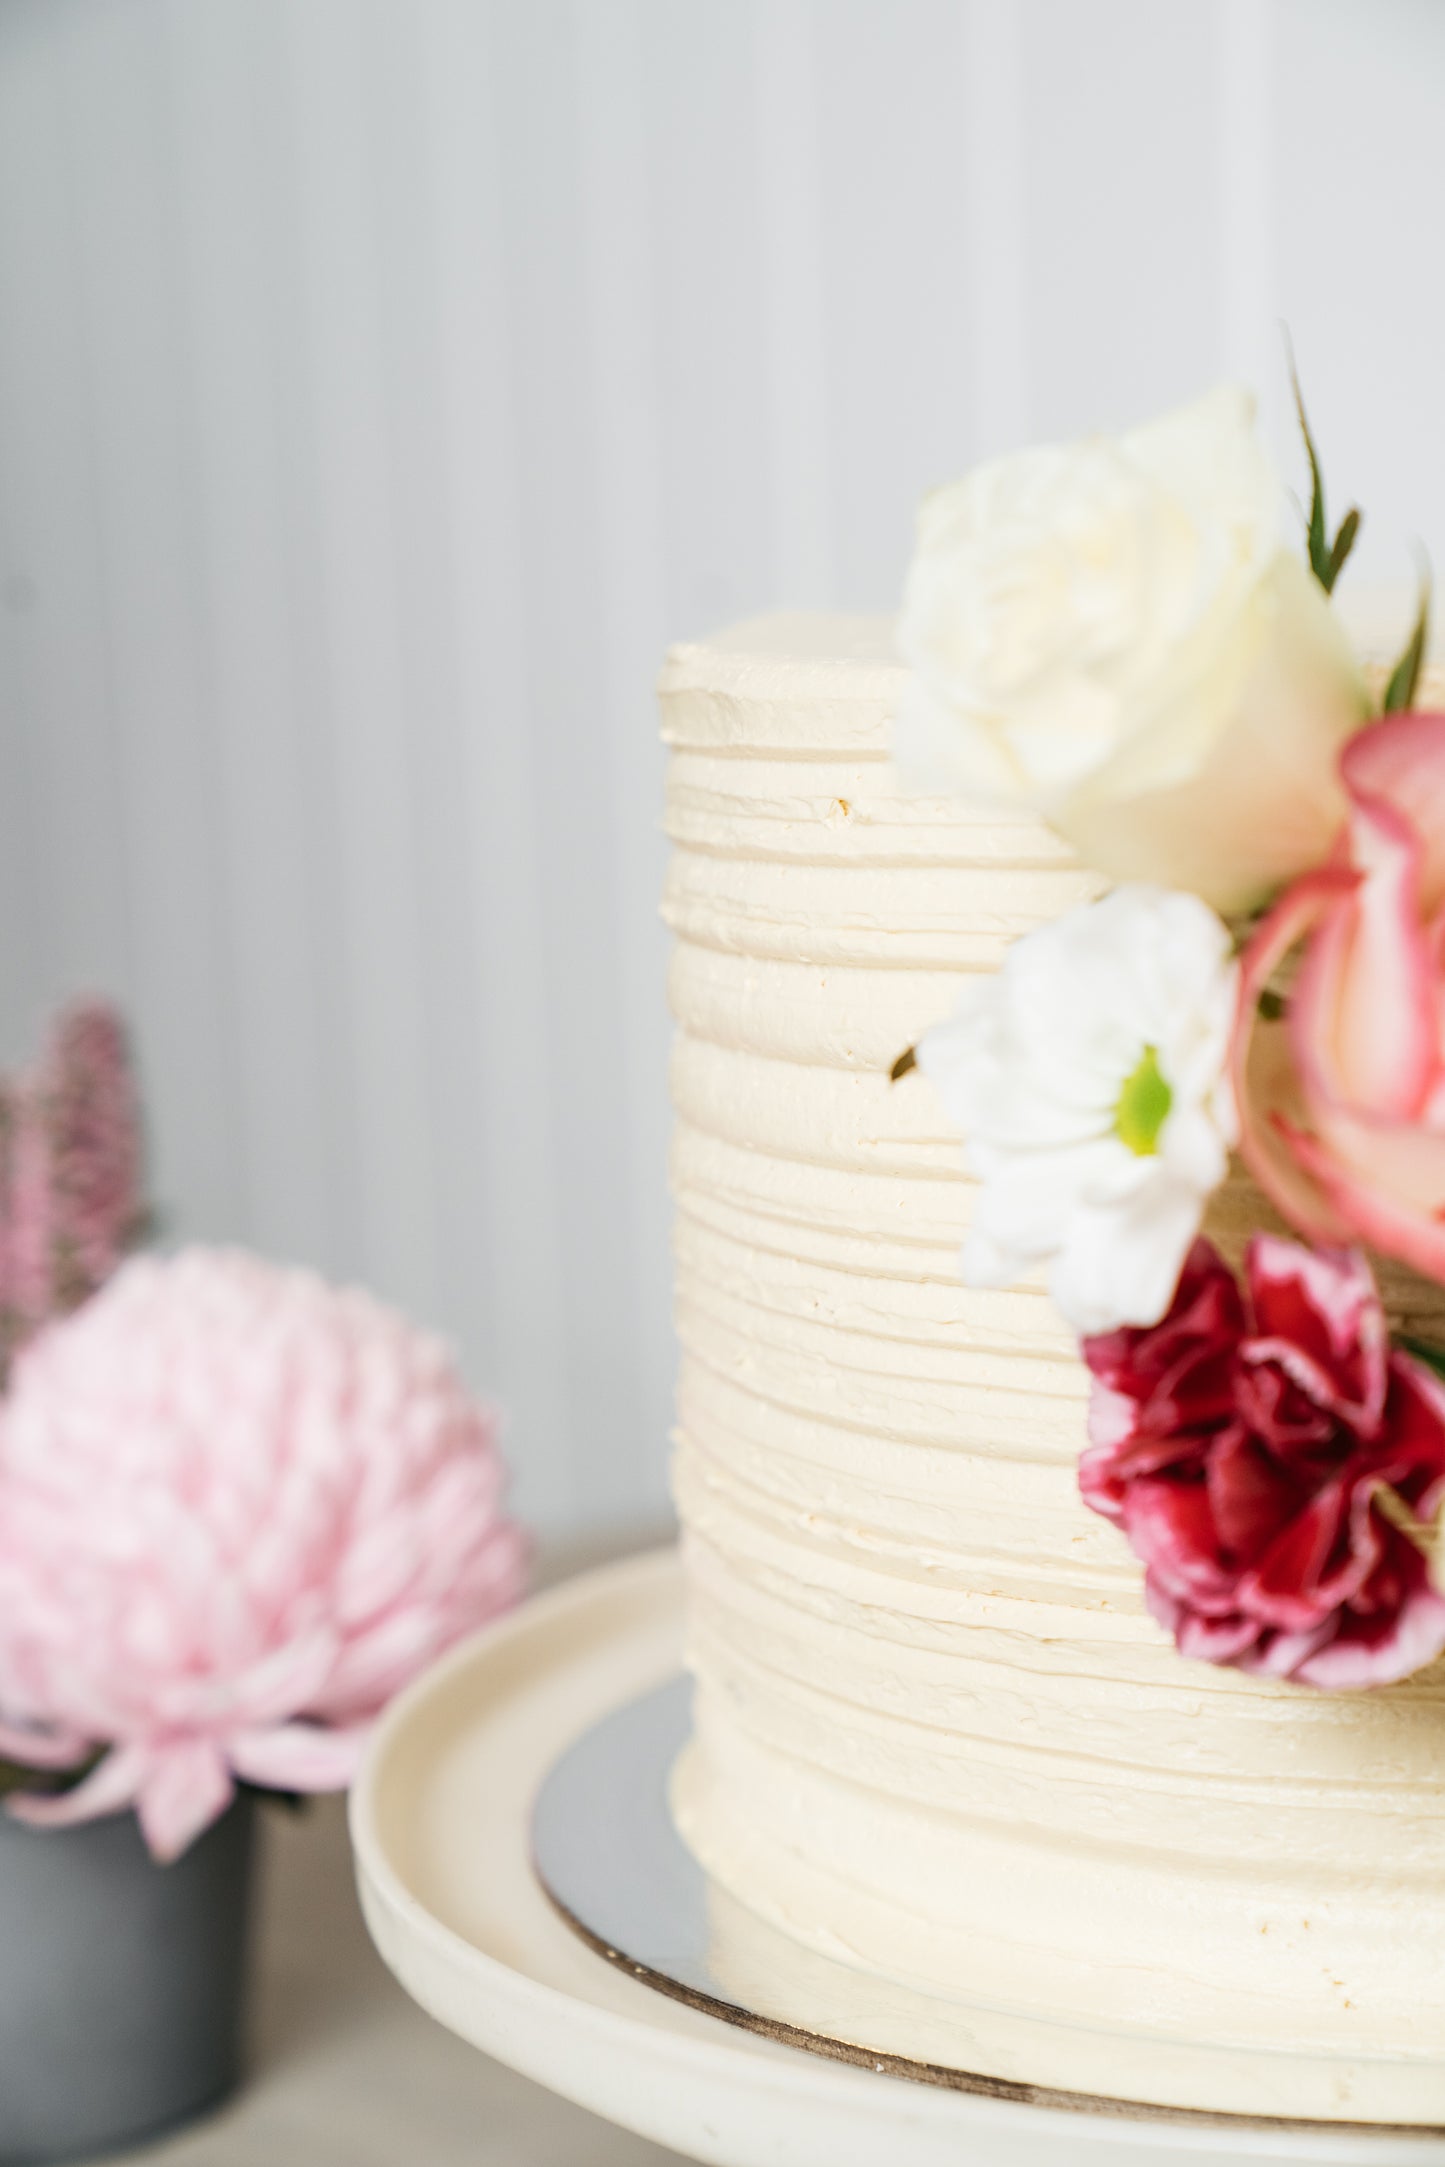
(939, 1737)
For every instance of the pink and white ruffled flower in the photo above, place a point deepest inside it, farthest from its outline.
(1264, 1449)
(238, 1510)
(1342, 1097)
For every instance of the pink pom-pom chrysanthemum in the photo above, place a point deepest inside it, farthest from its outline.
(238, 1510)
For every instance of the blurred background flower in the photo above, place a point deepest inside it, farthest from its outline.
(70, 1172)
(239, 1509)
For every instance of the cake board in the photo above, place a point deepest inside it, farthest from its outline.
(442, 1825)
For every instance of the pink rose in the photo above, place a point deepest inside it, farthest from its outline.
(1243, 1445)
(1342, 1097)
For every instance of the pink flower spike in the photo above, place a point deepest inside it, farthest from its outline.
(89, 1099)
(70, 1172)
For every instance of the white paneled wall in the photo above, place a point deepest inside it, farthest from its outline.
(384, 382)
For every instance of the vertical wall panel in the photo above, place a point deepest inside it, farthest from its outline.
(903, 329)
(1122, 264)
(560, 528)
(365, 719)
(1246, 173)
(383, 383)
(1361, 204)
(225, 119)
(714, 394)
(629, 579)
(793, 325)
(998, 130)
(118, 125)
(61, 868)
(501, 1174)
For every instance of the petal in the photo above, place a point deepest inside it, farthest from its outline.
(1316, 1563)
(1415, 1461)
(299, 1756)
(1280, 1655)
(1113, 1462)
(1251, 1497)
(1229, 1640)
(1400, 762)
(1222, 1639)
(1404, 1219)
(1381, 1651)
(1121, 1262)
(1266, 1081)
(1363, 1019)
(43, 1749)
(185, 1787)
(1232, 812)
(1170, 1526)
(1317, 1314)
(111, 1786)
(1180, 1370)
(943, 751)
(1025, 1203)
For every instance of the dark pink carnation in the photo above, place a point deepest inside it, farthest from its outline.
(1243, 1444)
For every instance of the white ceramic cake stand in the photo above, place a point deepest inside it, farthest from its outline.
(441, 1824)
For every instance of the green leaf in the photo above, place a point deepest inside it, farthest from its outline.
(1400, 691)
(1432, 1357)
(1341, 546)
(1327, 558)
(1319, 549)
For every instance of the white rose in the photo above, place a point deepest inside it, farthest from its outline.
(1089, 1079)
(1111, 634)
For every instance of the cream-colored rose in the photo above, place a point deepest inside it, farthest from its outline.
(1112, 634)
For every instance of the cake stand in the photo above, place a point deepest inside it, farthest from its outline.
(441, 1823)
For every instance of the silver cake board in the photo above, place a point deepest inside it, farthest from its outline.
(611, 1863)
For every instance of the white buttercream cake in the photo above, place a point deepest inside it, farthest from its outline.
(937, 1736)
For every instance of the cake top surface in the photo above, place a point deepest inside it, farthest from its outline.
(807, 636)
(775, 651)
(806, 678)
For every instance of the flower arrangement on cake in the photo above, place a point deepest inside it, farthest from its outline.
(1118, 637)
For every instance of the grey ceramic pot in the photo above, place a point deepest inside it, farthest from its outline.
(120, 1983)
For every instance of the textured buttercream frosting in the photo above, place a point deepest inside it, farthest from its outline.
(937, 1735)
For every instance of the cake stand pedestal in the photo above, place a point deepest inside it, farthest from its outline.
(441, 1823)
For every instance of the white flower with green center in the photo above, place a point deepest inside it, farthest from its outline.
(1089, 1079)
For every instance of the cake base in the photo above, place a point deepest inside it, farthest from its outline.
(609, 1856)
(441, 1819)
